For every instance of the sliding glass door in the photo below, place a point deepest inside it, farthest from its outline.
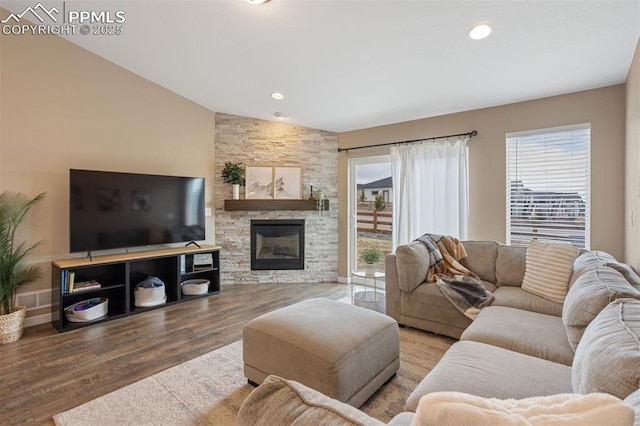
(370, 198)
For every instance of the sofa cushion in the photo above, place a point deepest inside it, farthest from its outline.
(634, 401)
(455, 408)
(490, 286)
(412, 261)
(489, 371)
(627, 272)
(285, 402)
(516, 297)
(589, 295)
(548, 269)
(403, 419)
(529, 333)
(608, 355)
(592, 258)
(482, 257)
(587, 261)
(510, 265)
(427, 302)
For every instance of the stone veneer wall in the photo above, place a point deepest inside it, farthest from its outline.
(264, 143)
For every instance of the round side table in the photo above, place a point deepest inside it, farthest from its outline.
(371, 297)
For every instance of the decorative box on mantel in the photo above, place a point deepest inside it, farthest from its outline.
(272, 205)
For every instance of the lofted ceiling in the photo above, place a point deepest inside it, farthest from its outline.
(350, 64)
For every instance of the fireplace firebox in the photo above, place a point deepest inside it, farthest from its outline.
(277, 244)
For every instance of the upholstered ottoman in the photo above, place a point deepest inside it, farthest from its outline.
(343, 351)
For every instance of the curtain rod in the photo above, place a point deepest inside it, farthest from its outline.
(470, 134)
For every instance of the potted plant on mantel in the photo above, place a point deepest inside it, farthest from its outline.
(370, 256)
(233, 173)
(13, 271)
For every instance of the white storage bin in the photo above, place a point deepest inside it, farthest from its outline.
(146, 297)
(194, 287)
(87, 310)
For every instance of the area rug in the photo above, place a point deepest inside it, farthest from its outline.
(207, 390)
(210, 389)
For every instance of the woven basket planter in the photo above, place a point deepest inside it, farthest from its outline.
(11, 325)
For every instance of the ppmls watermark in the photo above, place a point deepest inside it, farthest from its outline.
(63, 21)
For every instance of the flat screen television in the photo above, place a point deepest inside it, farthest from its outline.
(109, 210)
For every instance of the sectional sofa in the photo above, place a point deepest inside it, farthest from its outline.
(522, 346)
(416, 303)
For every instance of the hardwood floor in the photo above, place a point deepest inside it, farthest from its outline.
(47, 372)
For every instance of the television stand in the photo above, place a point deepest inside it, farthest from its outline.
(115, 277)
(192, 243)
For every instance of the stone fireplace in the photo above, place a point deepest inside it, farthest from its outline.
(265, 143)
(277, 244)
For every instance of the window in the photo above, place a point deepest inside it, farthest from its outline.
(548, 175)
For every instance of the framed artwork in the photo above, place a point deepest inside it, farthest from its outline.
(258, 183)
(287, 183)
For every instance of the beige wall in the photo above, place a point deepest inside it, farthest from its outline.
(632, 164)
(1, 50)
(604, 108)
(63, 107)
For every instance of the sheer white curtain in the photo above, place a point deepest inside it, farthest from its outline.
(429, 189)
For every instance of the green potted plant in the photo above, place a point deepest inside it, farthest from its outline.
(370, 256)
(13, 270)
(233, 173)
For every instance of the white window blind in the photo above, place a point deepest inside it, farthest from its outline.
(548, 176)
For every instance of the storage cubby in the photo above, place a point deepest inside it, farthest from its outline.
(117, 304)
(118, 276)
(106, 275)
(164, 268)
(189, 271)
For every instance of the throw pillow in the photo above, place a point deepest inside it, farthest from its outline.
(456, 408)
(608, 355)
(548, 268)
(589, 295)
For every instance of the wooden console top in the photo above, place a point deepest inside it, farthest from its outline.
(97, 260)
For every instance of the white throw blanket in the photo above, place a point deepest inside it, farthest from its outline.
(461, 409)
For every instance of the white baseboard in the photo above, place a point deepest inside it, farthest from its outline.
(343, 280)
(38, 319)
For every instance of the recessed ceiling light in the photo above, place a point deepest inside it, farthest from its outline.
(257, 1)
(277, 96)
(279, 115)
(480, 31)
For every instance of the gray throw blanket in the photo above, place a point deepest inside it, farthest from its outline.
(449, 268)
(466, 293)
